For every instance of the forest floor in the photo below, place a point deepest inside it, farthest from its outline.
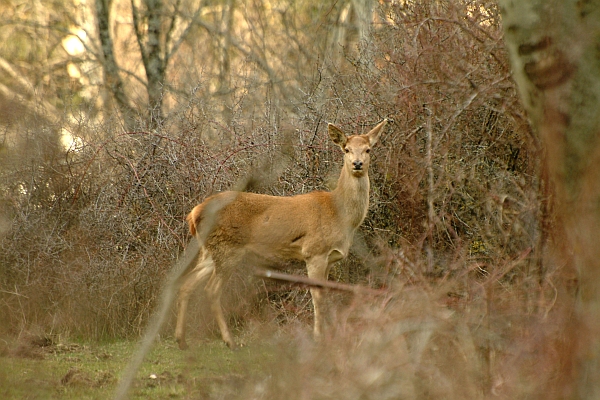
(208, 370)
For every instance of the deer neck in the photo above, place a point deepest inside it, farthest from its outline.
(351, 197)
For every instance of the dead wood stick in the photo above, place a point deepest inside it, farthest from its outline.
(305, 281)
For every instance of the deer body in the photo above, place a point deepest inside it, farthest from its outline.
(238, 229)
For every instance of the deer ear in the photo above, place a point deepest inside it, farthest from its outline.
(337, 135)
(373, 135)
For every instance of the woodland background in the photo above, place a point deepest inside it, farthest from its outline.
(117, 117)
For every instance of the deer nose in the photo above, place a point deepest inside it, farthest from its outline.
(357, 164)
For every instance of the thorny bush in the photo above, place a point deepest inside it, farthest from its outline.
(88, 234)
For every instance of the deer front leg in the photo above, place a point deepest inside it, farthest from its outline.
(317, 268)
(198, 275)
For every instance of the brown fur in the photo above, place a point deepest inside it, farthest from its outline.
(235, 229)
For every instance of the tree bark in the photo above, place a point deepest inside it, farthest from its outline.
(153, 49)
(554, 47)
(110, 69)
(224, 78)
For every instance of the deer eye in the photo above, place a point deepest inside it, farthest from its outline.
(368, 150)
(347, 150)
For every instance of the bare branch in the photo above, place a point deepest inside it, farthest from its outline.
(317, 283)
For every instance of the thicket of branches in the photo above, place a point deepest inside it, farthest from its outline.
(458, 211)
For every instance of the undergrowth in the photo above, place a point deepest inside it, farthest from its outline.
(455, 238)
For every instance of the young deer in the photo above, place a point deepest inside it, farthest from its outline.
(239, 229)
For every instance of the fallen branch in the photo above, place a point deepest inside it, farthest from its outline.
(316, 283)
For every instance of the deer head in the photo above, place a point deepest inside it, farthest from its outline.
(356, 148)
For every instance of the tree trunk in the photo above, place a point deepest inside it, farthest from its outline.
(110, 69)
(554, 48)
(224, 78)
(153, 52)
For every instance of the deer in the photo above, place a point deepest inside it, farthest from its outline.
(236, 229)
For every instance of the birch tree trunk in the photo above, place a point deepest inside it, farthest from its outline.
(110, 68)
(224, 78)
(554, 47)
(154, 43)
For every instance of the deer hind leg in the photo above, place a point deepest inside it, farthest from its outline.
(318, 268)
(198, 275)
(214, 290)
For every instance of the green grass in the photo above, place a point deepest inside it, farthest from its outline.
(91, 371)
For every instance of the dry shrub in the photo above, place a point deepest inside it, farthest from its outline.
(456, 229)
(419, 341)
(105, 222)
(476, 311)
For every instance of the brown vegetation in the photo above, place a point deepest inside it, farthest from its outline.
(456, 232)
